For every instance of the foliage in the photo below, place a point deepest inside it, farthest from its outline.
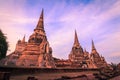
(3, 45)
(114, 66)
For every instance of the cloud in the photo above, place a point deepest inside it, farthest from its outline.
(114, 59)
(13, 21)
(97, 20)
(91, 23)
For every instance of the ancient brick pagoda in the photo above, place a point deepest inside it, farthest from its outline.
(80, 58)
(38, 53)
(98, 60)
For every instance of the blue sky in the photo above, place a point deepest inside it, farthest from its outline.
(93, 19)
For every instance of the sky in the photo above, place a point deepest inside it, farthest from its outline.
(92, 19)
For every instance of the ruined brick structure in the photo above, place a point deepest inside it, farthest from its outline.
(78, 57)
(36, 52)
(98, 60)
(82, 58)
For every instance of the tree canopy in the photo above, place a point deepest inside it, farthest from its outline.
(3, 45)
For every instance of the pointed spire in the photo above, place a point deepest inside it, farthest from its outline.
(23, 40)
(93, 46)
(85, 50)
(76, 41)
(40, 24)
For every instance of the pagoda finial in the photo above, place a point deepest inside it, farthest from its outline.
(76, 41)
(85, 50)
(40, 24)
(23, 40)
(93, 46)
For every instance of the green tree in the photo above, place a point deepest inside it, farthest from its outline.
(3, 45)
(114, 66)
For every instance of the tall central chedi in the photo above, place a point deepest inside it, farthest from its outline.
(37, 51)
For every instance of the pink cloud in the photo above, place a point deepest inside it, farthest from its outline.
(88, 20)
